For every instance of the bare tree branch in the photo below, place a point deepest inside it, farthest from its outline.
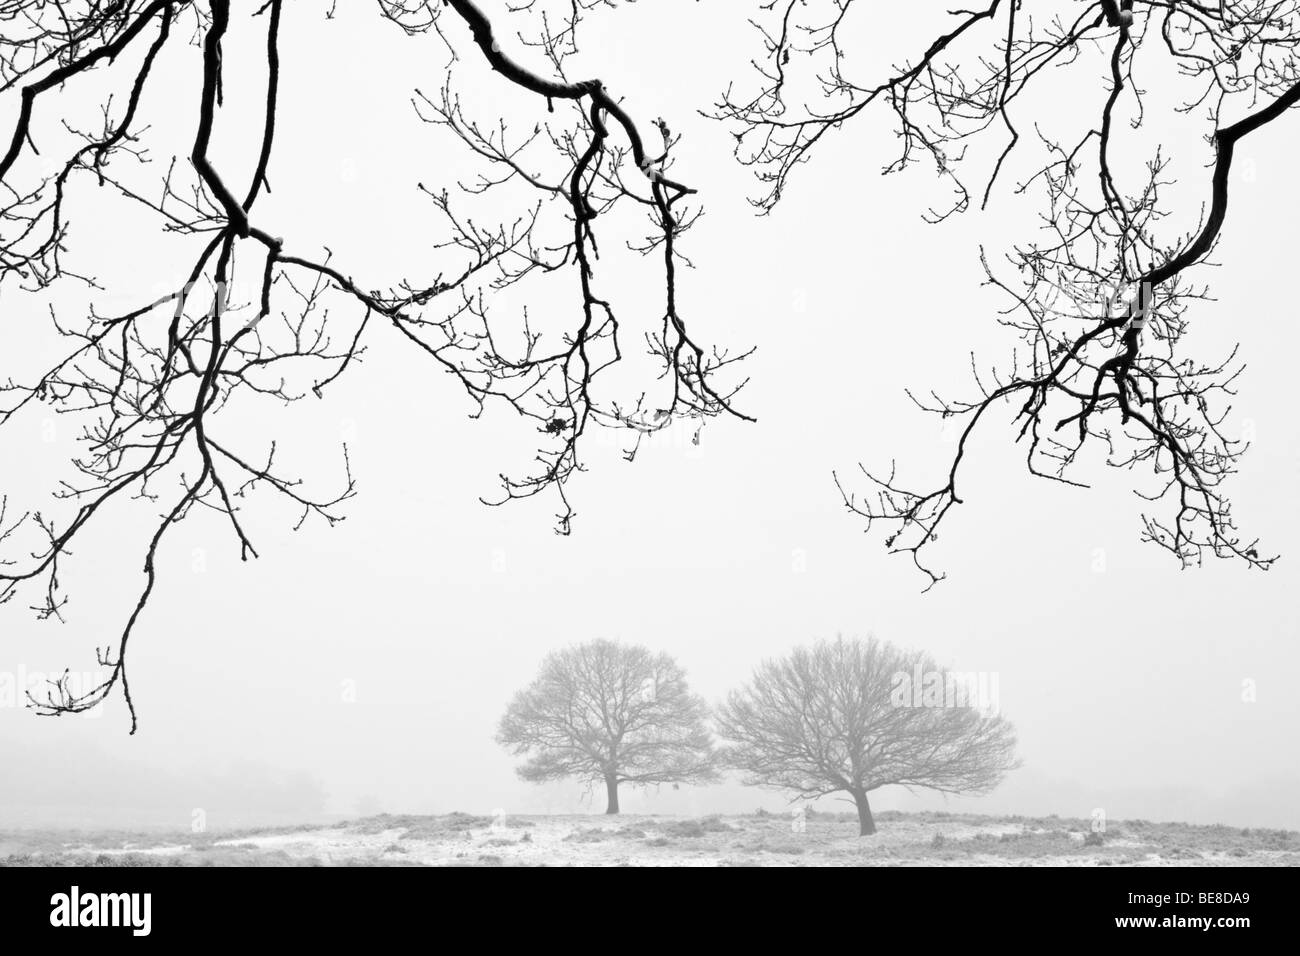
(1099, 303)
(149, 384)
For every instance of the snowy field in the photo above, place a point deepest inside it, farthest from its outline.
(762, 839)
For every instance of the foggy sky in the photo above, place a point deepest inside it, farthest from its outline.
(364, 667)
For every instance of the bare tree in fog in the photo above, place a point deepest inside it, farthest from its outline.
(853, 716)
(1100, 302)
(607, 713)
(147, 383)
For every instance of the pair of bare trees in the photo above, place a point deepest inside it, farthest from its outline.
(1098, 303)
(836, 717)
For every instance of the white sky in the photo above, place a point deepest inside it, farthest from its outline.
(1125, 684)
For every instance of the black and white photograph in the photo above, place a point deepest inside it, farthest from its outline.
(648, 434)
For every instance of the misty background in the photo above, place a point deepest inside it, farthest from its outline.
(363, 668)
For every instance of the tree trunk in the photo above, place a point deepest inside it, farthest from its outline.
(611, 791)
(866, 823)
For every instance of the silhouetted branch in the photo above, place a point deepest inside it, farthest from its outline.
(1099, 304)
(149, 384)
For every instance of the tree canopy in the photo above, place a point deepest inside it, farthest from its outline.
(851, 716)
(605, 712)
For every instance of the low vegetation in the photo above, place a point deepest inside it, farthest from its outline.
(764, 838)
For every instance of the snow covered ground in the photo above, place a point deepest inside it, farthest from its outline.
(762, 839)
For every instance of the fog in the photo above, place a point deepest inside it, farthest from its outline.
(364, 667)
